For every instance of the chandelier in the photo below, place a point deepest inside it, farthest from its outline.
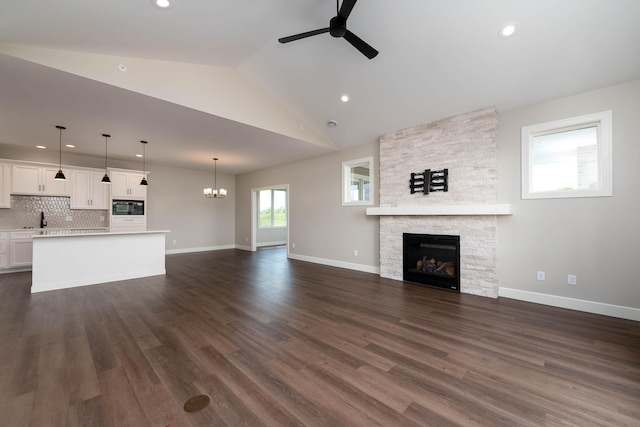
(215, 193)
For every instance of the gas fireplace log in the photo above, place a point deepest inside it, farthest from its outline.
(430, 265)
(448, 268)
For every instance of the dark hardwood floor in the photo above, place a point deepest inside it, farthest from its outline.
(277, 342)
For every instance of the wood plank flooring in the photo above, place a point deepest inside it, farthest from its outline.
(277, 342)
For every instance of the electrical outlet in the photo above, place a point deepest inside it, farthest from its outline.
(293, 245)
(355, 252)
(69, 218)
(540, 275)
(571, 279)
(174, 241)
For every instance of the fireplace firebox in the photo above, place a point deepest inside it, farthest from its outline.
(432, 259)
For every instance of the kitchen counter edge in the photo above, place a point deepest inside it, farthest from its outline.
(98, 233)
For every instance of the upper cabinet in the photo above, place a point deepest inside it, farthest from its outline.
(5, 185)
(37, 180)
(126, 185)
(87, 190)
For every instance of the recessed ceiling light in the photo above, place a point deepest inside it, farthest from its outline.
(70, 146)
(332, 123)
(138, 155)
(508, 30)
(162, 4)
(344, 98)
(122, 68)
(41, 147)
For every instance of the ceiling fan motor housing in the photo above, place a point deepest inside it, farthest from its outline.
(338, 26)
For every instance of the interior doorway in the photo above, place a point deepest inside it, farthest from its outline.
(270, 217)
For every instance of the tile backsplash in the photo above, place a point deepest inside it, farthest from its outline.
(25, 212)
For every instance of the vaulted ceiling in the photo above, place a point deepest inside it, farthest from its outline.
(208, 78)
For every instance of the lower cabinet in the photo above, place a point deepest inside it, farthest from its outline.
(21, 249)
(128, 223)
(4, 250)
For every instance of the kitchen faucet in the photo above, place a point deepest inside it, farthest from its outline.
(43, 222)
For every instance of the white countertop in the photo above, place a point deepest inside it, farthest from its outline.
(89, 232)
(53, 229)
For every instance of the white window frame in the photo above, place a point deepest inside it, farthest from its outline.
(347, 167)
(603, 123)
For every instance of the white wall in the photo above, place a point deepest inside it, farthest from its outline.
(271, 236)
(322, 229)
(176, 203)
(593, 238)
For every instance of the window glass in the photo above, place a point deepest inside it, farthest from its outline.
(265, 208)
(357, 182)
(567, 158)
(272, 209)
(279, 208)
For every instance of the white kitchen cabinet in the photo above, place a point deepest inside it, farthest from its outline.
(37, 180)
(126, 185)
(128, 223)
(88, 191)
(5, 185)
(21, 249)
(4, 250)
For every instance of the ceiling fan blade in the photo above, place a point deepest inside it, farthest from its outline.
(361, 45)
(345, 9)
(303, 35)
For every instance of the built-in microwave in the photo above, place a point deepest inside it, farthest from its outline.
(127, 207)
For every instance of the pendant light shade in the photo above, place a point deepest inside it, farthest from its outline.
(105, 178)
(215, 193)
(144, 162)
(60, 175)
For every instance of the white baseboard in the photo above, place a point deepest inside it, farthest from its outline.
(278, 243)
(334, 263)
(14, 269)
(200, 249)
(243, 248)
(619, 311)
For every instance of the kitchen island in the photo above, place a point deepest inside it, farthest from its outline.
(66, 259)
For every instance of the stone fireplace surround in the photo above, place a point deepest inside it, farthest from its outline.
(466, 145)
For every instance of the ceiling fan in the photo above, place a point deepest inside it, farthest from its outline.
(338, 28)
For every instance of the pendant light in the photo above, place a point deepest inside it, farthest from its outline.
(105, 178)
(215, 193)
(60, 175)
(144, 162)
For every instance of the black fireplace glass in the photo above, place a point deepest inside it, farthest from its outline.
(432, 259)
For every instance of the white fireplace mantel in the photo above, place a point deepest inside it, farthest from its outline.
(441, 210)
